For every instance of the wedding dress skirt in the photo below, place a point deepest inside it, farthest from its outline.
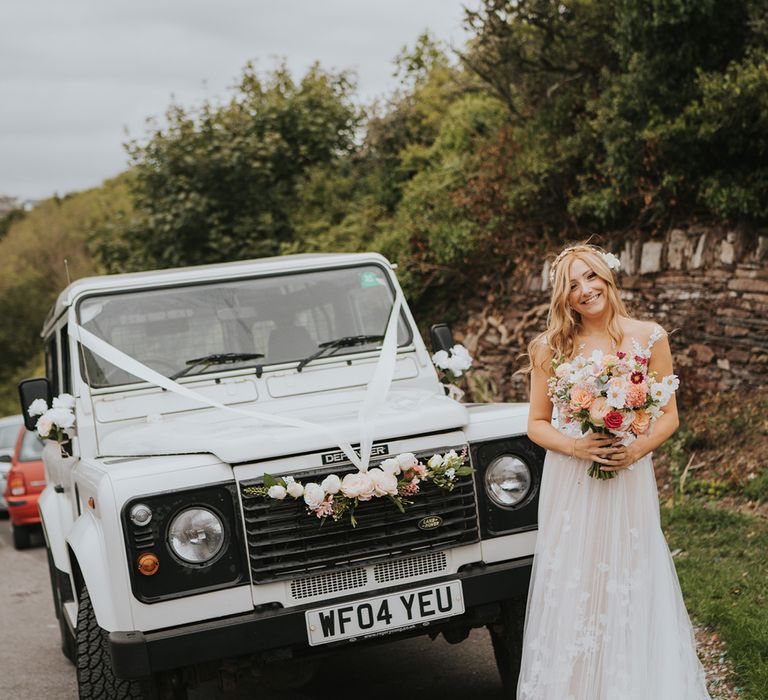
(605, 618)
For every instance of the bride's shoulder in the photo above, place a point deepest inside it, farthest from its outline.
(643, 332)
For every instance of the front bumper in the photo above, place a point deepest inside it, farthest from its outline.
(139, 654)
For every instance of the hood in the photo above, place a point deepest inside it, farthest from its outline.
(237, 439)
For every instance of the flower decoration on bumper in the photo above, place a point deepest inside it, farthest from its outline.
(397, 478)
(57, 422)
(612, 394)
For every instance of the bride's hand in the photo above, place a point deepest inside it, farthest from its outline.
(596, 447)
(622, 457)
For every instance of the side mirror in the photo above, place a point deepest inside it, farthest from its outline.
(442, 337)
(29, 390)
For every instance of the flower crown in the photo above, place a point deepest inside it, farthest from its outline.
(610, 259)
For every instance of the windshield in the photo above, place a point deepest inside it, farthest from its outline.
(284, 318)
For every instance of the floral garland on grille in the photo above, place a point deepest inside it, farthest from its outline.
(397, 479)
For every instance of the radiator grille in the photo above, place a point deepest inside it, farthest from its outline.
(284, 542)
(410, 567)
(328, 583)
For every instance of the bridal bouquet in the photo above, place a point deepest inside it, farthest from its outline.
(612, 394)
(396, 478)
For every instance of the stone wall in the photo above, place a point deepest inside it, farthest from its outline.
(708, 287)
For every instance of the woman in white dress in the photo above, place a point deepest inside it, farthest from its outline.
(605, 618)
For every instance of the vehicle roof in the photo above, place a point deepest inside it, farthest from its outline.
(212, 272)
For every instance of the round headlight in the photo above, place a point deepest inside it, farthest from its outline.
(140, 515)
(507, 480)
(196, 535)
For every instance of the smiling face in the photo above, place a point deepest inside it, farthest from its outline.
(587, 290)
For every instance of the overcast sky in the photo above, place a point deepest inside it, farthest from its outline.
(75, 74)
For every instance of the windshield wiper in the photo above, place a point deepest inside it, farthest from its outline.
(220, 358)
(330, 346)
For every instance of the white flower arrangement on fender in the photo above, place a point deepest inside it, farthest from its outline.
(396, 478)
(57, 422)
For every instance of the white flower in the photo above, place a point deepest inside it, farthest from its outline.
(671, 382)
(440, 359)
(64, 401)
(660, 393)
(331, 484)
(294, 488)
(654, 411)
(435, 461)
(277, 492)
(450, 456)
(616, 396)
(612, 261)
(391, 466)
(456, 360)
(384, 484)
(37, 407)
(313, 495)
(597, 359)
(44, 425)
(450, 473)
(358, 485)
(62, 417)
(563, 370)
(407, 460)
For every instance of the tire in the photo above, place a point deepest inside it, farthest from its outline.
(507, 640)
(95, 678)
(67, 637)
(21, 537)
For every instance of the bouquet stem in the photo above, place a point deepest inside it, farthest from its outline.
(596, 472)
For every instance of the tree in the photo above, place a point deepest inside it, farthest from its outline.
(220, 183)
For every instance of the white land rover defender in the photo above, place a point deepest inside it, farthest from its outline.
(168, 564)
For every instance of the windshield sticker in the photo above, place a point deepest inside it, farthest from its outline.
(371, 279)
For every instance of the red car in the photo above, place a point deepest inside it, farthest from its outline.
(26, 479)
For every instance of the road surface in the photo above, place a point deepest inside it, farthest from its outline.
(32, 665)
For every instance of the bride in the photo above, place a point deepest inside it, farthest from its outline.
(605, 618)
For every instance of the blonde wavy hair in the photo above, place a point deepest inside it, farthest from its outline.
(563, 323)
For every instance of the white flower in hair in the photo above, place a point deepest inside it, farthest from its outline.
(612, 261)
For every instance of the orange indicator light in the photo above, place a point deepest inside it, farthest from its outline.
(148, 564)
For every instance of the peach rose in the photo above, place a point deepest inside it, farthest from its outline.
(641, 423)
(598, 409)
(636, 394)
(581, 398)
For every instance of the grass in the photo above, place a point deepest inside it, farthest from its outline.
(723, 572)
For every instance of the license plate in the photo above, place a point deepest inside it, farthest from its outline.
(384, 614)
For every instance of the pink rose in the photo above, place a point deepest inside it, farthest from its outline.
(598, 409)
(384, 483)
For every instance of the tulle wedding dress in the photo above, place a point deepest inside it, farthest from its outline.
(605, 618)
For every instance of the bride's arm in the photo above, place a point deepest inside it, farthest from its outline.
(668, 421)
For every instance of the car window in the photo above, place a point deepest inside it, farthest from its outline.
(282, 317)
(31, 448)
(8, 435)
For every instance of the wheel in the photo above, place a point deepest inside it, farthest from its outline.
(95, 678)
(21, 537)
(507, 640)
(67, 637)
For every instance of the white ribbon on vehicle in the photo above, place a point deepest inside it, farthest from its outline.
(375, 393)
